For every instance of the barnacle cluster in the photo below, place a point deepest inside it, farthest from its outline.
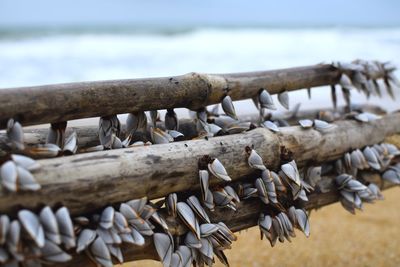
(56, 144)
(276, 221)
(51, 236)
(16, 169)
(16, 173)
(31, 238)
(377, 158)
(200, 243)
(362, 76)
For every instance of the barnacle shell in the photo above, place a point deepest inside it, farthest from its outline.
(266, 100)
(66, 227)
(53, 253)
(271, 126)
(207, 229)
(164, 247)
(284, 99)
(254, 160)
(86, 237)
(227, 106)
(194, 203)
(31, 224)
(187, 216)
(100, 253)
(218, 170)
(306, 123)
(9, 175)
(107, 217)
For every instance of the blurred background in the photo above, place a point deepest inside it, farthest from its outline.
(46, 41)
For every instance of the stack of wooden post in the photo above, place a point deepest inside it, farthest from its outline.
(96, 176)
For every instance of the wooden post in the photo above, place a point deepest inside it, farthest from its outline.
(93, 180)
(63, 102)
(88, 134)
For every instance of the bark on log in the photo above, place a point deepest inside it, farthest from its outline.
(88, 181)
(63, 102)
(245, 217)
(88, 135)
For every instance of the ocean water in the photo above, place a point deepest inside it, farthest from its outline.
(34, 57)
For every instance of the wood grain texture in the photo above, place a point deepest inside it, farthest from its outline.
(88, 134)
(89, 181)
(63, 102)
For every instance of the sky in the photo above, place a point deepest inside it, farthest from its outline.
(73, 13)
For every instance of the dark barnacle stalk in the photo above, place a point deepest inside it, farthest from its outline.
(57, 133)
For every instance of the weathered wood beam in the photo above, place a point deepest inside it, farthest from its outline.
(88, 134)
(63, 102)
(245, 217)
(88, 181)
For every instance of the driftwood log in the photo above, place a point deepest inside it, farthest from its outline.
(63, 102)
(88, 135)
(245, 217)
(93, 180)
